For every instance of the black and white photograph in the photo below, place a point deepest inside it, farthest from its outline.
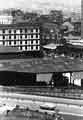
(41, 60)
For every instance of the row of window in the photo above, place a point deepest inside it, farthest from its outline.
(35, 42)
(4, 31)
(19, 37)
(51, 36)
(29, 48)
(80, 55)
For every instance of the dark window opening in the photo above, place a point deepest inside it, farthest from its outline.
(9, 42)
(37, 41)
(36, 35)
(9, 37)
(20, 42)
(21, 36)
(25, 42)
(31, 36)
(14, 31)
(77, 56)
(37, 47)
(9, 31)
(36, 30)
(80, 55)
(20, 47)
(3, 31)
(3, 37)
(14, 36)
(31, 47)
(72, 54)
(3, 42)
(25, 30)
(25, 36)
(20, 30)
(15, 42)
(31, 30)
(31, 42)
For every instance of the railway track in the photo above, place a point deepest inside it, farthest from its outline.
(23, 97)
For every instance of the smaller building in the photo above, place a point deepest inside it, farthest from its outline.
(50, 33)
(6, 17)
(73, 51)
(77, 28)
(24, 36)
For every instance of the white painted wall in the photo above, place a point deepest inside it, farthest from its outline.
(44, 77)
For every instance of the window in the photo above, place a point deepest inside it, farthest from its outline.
(9, 36)
(31, 47)
(3, 37)
(25, 30)
(80, 55)
(36, 35)
(37, 41)
(9, 31)
(31, 42)
(20, 30)
(25, 36)
(72, 55)
(21, 36)
(3, 42)
(31, 30)
(36, 47)
(9, 42)
(14, 42)
(20, 47)
(31, 36)
(36, 29)
(25, 47)
(20, 42)
(3, 31)
(26, 42)
(14, 31)
(14, 36)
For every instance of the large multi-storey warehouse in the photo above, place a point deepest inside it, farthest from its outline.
(18, 37)
(24, 36)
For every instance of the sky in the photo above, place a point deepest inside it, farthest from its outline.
(41, 4)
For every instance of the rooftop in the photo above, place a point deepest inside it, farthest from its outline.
(19, 24)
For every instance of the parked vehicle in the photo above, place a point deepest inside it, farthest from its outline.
(48, 108)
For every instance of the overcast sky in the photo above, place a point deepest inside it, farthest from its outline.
(40, 4)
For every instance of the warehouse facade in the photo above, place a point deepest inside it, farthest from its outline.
(24, 36)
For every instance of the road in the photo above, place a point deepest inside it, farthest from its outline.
(68, 106)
